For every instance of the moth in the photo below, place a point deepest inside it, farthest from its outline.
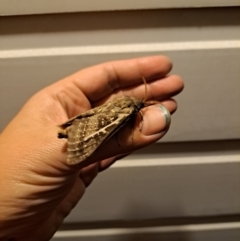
(90, 130)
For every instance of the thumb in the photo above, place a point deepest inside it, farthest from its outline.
(151, 124)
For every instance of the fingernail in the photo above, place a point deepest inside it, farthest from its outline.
(156, 120)
(166, 114)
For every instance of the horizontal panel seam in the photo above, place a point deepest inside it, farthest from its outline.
(119, 48)
(165, 229)
(149, 161)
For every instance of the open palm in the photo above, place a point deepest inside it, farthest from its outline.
(41, 187)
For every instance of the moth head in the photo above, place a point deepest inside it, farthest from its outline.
(137, 103)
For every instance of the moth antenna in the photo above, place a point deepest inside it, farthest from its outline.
(145, 84)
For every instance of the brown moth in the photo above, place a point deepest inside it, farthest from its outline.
(88, 131)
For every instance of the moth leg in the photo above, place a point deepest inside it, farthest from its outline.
(132, 129)
(141, 124)
(62, 134)
(117, 139)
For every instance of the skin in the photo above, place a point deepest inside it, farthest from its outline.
(38, 188)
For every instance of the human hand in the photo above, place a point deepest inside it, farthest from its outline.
(38, 188)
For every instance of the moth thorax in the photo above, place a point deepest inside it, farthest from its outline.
(137, 103)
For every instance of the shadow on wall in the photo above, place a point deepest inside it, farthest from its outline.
(159, 229)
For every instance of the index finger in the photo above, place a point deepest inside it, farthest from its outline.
(101, 80)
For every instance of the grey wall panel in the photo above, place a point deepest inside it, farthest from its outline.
(38, 50)
(167, 186)
(206, 232)
(63, 6)
(208, 107)
(121, 27)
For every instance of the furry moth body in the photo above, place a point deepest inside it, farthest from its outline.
(88, 131)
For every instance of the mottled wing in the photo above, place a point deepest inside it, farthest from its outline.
(89, 131)
(88, 113)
